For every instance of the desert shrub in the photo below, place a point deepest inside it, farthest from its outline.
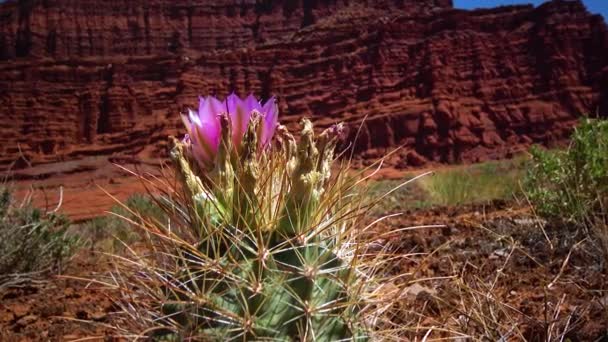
(142, 205)
(572, 185)
(108, 233)
(111, 232)
(31, 241)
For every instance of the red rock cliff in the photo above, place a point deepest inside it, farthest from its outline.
(92, 77)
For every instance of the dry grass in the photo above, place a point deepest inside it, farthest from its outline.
(454, 186)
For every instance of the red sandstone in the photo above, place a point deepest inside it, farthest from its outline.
(84, 80)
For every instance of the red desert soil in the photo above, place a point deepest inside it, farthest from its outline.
(87, 188)
(59, 310)
(509, 245)
(84, 188)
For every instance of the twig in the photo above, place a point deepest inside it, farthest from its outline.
(564, 264)
(60, 199)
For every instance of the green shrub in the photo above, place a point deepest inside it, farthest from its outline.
(572, 185)
(31, 241)
(144, 206)
(110, 232)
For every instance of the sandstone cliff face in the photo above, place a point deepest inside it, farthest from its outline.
(79, 28)
(88, 77)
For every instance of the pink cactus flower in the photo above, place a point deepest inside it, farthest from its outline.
(204, 129)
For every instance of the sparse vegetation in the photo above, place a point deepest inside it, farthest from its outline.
(112, 231)
(32, 242)
(572, 185)
(410, 196)
(474, 184)
(215, 257)
(461, 185)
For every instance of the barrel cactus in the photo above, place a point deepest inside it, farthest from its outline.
(265, 240)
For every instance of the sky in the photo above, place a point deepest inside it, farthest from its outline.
(594, 6)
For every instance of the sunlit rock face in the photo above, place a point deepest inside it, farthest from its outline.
(84, 77)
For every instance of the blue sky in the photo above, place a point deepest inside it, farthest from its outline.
(594, 6)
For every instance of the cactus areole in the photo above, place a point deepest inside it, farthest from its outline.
(268, 263)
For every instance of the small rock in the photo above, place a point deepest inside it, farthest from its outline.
(6, 316)
(501, 252)
(98, 316)
(20, 310)
(69, 292)
(416, 289)
(27, 320)
(414, 159)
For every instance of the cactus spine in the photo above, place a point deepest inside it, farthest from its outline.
(263, 246)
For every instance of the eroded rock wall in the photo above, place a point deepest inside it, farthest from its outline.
(85, 77)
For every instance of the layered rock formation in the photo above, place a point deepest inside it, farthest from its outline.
(100, 78)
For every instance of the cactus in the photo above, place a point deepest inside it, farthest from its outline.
(264, 244)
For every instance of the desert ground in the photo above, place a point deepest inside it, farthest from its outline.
(479, 266)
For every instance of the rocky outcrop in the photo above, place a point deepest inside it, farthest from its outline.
(80, 28)
(88, 77)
